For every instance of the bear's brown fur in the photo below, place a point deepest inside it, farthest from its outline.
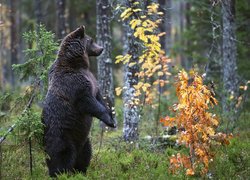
(73, 98)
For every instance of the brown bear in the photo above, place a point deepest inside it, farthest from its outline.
(73, 98)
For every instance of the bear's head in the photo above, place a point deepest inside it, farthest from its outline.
(78, 46)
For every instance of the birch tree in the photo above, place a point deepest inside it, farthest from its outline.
(145, 62)
(130, 111)
(105, 71)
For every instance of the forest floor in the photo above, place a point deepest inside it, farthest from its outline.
(115, 159)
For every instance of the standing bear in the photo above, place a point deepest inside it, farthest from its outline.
(73, 98)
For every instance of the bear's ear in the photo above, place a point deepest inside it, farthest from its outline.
(79, 32)
(82, 28)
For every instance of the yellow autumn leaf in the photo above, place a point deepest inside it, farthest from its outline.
(134, 23)
(119, 59)
(144, 23)
(161, 34)
(210, 131)
(153, 8)
(132, 64)
(139, 31)
(214, 121)
(160, 13)
(137, 93)
(160, 73)
(118, 91)
(137, 10)
(147, 85)
(144, 88)
(126, 12)
(127, 16)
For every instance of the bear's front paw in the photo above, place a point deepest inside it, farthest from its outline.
(108, 120)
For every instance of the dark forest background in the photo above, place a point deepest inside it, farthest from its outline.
(210, 36)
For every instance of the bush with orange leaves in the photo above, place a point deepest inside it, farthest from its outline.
(196, 125)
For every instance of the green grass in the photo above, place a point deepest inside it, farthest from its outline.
(119, 160)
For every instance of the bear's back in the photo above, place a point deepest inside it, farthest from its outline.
(60, 109)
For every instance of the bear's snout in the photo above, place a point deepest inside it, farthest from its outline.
(100, 51)
(95, 50)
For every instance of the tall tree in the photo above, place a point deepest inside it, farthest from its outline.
(166, 8)
(61, 22)
(105, 72)
(38, 11)
(14, 38)
(230, 79)
(1, 46)
(130, 110)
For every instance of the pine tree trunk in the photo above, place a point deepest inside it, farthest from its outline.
(184, 62)
(38, 11)
(105, 71)
(166, 42)
(230, 79)
(61, 22)
(72, 16)
(1, 52)
(14, 39)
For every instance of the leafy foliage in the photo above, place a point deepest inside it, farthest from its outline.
(152, 60)
(40, 54)
(196, 125)
(30, 123)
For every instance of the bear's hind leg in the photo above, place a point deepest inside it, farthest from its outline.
(83, 158)
(62, 160)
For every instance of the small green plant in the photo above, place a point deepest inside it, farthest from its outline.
(40, 55)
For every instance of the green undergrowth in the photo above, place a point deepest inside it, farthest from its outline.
(115, 159)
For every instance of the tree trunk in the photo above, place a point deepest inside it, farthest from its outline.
(166, 42)
(61, 22)
(38, 11)
(105, 71)
(14, 38)
(184, 61)
(130, 111)
(1, 52)
(230, 79)
(72, 16)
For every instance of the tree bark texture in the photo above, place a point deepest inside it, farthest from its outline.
(184, 61)
(1, 52)
(105, 71)
(166, 42)
(230, 77)
(61, 22)
(14, 38)
(72, 16)
(38, 11)
(130, 111)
